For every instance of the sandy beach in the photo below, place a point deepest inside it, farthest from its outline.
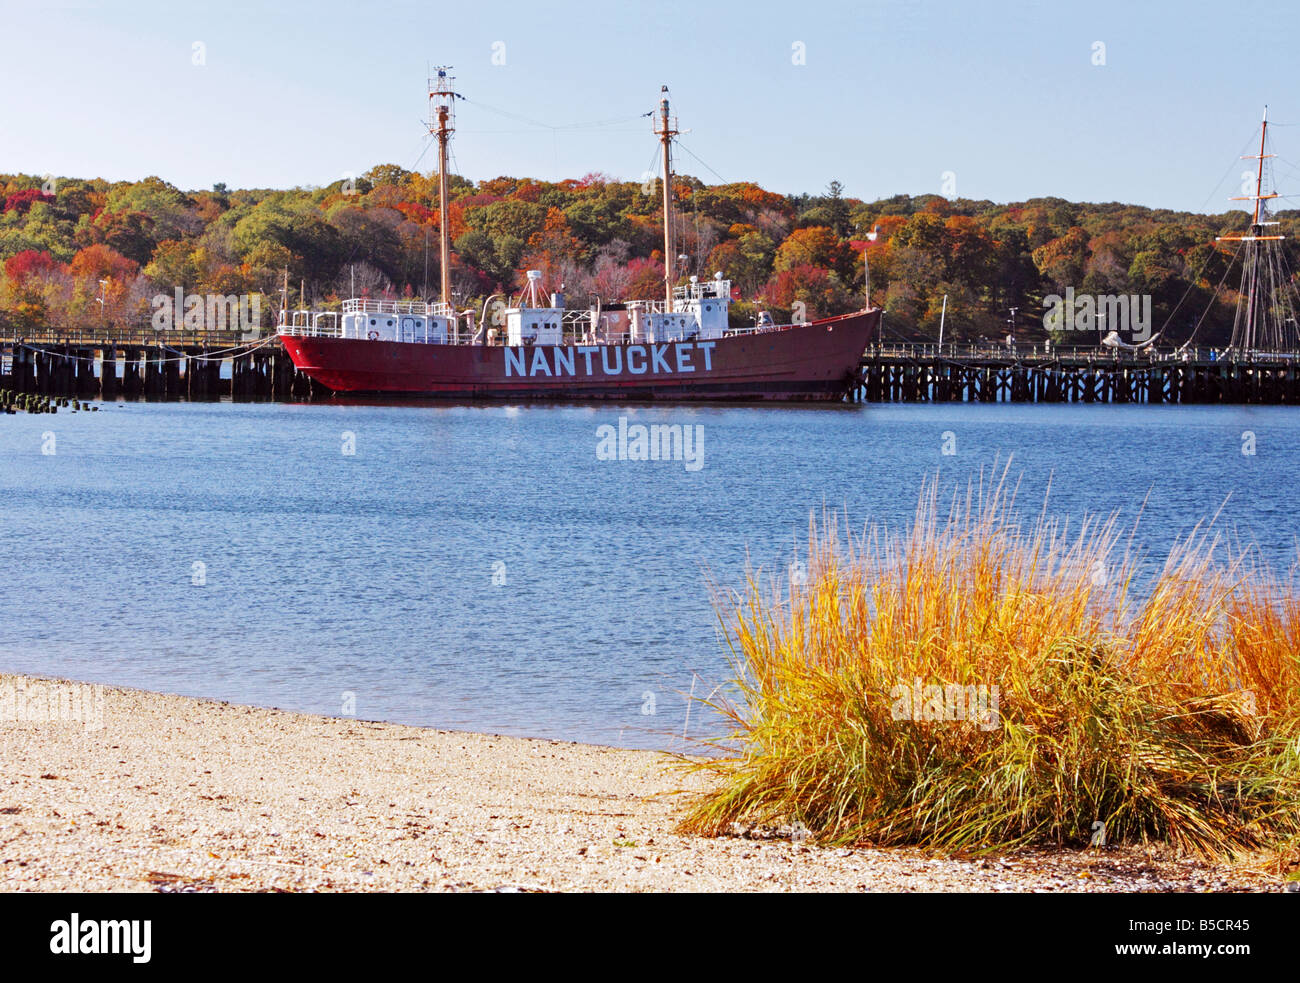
(169, 793)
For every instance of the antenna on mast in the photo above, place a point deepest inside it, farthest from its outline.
(442, 124)
(666, 131)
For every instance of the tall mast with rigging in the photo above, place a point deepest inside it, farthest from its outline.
(666, 131)
(442, 124)
(1256, 310)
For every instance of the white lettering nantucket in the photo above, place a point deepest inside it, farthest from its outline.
(615, 360)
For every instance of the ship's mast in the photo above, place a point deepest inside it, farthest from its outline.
(1259, 174)
(666, 132)
(1251, 327)
(442, 123)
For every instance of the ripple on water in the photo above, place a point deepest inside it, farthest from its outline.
(373, 575)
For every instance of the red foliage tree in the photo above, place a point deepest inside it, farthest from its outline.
(812, 285)
(29, 263)
(21, 201)
(645, 280)
(417, 212)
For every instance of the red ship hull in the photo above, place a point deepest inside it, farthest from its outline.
(814, 361)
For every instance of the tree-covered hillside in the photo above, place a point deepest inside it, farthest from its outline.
(78, 253)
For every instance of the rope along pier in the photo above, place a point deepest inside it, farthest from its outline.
(162, 367)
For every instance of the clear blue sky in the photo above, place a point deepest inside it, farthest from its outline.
(893, 93)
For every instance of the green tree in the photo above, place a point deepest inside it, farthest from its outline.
(171, 213)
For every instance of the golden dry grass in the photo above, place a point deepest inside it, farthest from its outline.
(1170, 713)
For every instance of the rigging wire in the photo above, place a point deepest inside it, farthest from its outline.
(1186, 293)
(429, 141)
(1210, 306)
(1290, 307)
(701, 161)
(786, 227)
(649, 172)
(558, 133)
(1265, 306)
(1250, 142)
(595, 124)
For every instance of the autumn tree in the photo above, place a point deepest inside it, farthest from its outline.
(1064, 260)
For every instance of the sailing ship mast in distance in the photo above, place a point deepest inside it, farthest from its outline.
(1265, 317)
(442, 124)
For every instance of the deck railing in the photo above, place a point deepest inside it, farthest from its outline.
(367, 305)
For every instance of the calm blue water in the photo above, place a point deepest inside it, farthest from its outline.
(372, 573)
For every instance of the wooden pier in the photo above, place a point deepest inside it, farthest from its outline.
(954, 374)
(141, 364)
(148, 365)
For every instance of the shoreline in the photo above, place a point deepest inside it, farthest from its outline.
(180, 794)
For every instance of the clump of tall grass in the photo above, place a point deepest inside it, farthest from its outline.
(977, 683)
